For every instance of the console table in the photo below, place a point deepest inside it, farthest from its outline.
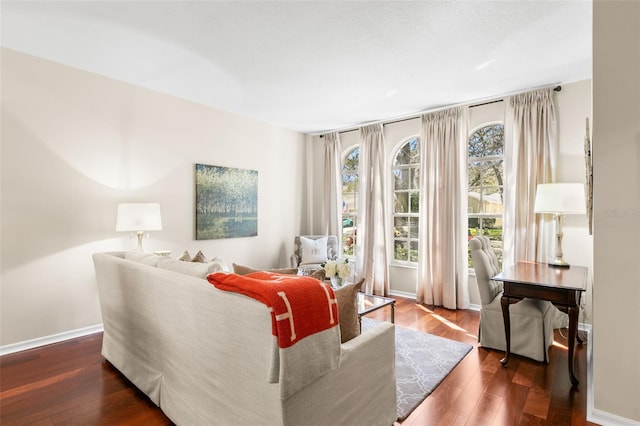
(562, 286)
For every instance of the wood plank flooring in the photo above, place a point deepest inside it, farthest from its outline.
(70, 383)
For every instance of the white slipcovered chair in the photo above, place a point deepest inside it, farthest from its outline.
(310, 251)
(531, 319)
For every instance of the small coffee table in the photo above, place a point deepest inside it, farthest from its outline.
(368, 303)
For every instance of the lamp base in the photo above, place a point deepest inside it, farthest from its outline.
(140, 237)
(558, 262)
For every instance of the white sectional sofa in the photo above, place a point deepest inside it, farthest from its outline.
(204, 355)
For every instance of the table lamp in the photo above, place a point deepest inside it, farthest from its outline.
(560, 199)
(138, 218)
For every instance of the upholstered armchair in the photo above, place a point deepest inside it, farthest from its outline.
(312, 250)
(531, 320)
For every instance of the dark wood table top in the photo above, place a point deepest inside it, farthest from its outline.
(572, 277)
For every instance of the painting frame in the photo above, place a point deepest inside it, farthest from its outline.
(226, 202)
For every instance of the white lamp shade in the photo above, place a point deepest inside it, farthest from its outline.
(564, 198)
(138, 217)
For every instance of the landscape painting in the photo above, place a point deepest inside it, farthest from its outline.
(226, 202)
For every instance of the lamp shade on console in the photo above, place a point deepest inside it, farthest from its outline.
(139, 218)
(560, 199)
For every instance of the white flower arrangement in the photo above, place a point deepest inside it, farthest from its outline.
(338, 268)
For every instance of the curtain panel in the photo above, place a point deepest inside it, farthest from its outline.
(530, 159)
(332, 186)
(371, 252)
(442, 263)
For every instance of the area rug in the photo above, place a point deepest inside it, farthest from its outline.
(422, 362)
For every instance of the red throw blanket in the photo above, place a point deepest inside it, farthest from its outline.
(300, 305)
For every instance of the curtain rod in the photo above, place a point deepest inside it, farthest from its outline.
(486, 101)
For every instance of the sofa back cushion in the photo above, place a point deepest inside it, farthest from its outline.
(244, 270)
(145, 258)
(196, 269)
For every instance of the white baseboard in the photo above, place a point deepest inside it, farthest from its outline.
(48, 340)
(594, 415)
(608, 419)
(402, 294)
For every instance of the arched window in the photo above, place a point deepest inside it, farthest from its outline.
(486, 185)
(350, 183)
(406, 201)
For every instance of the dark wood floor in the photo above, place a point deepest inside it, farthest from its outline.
(69, 383)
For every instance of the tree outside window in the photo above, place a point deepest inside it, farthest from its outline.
(486, 185)
(406, 201)
(350, 182)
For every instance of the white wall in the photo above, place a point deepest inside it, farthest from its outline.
(573, 105)
(616, 174)
(75, 144)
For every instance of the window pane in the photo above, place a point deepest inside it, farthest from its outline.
(413, 251)
(351, 161)
(474, 203)
(349, 238)
(415, 178)
(474, 173)
(401, 204)
(400, 227)
(413, 227)
(400, 250)
(487, 141)
(350, 182)
(491, 200)
(493, 173)
(349, 203)
(402, 178)
(414, 202)
(408, 154)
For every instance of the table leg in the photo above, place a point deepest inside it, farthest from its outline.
(393, 313)
(504, 302)
(573, 326)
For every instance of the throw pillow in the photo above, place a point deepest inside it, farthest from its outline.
(313, 250)
(218, 265)
(347, 298)
(185, 257)
(199, 257)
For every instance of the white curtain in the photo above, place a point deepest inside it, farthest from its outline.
(371, 253)
(442, 264)
(530, 159)
(332, 196)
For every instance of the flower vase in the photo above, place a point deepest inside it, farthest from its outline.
(336, 281)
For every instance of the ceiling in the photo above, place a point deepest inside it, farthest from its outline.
(313, 66)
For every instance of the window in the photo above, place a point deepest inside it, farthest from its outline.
(486, 185)
(406, 200)
(350, 201)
